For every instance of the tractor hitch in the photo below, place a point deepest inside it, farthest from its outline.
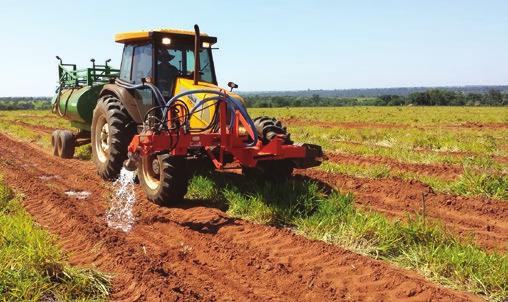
(313, 156)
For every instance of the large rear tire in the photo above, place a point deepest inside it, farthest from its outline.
(164, 178)
(269, 127)
(112, 131)
(272, 170)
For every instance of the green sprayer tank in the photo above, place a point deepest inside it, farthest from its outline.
(78, 91)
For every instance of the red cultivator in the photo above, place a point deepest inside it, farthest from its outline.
(232, 137)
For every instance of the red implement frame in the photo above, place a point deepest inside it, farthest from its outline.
(179, 142)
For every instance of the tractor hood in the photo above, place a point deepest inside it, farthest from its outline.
(204, 117)
(184, 84)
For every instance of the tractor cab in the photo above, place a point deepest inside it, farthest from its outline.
(167, 58)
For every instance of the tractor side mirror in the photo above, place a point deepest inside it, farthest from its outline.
(232, 85)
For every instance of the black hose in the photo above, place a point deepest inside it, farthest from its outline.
(231, 103)
(157, 93)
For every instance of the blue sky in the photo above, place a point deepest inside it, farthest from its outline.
(271, 45)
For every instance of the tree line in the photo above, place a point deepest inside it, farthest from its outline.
(25, 103)
(431, 97)
(376, 92)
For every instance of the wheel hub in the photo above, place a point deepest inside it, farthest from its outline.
(102, 140)
(156, 167)
(151, 171)
(105, 138)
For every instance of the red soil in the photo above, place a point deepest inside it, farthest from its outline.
(361, 125)
(193, 252)
(443, 171)
(483, 218)
(294, 121)
(36, 128)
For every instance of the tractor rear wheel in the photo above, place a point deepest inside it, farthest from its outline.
(66, 144)
(269, 127)
(112, 131)
(273, 170)
(164, 178)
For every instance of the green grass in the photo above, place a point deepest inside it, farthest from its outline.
(424, 135)
(482, 184)
(83, 152)
(10, 124)
(417, 116)
(36, 118)
(436, 131)
(490, 182)
(332, 217)
(31, 265)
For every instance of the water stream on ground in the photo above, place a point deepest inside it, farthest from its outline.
(119, 215)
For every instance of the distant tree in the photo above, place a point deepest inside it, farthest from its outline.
(315, 99)
(419, 98)
(494, 97)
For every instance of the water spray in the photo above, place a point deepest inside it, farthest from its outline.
(119, 216)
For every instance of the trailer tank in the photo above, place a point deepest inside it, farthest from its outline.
(78, 91)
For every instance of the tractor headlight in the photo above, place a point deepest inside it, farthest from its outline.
(166, 41)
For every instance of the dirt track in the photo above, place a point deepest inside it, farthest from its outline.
(444, 171)
(193, 252)
(294, 121)
(486, 219)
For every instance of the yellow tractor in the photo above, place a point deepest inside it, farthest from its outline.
(163, 107)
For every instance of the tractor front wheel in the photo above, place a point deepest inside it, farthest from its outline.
(163, 178)
(112, 131)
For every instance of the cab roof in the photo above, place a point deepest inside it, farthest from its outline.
(138, 36)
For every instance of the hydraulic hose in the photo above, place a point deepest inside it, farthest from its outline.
(155, 90)
(56, 103)
(203, 101)
(231, 103)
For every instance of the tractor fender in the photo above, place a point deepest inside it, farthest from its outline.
(128, 99)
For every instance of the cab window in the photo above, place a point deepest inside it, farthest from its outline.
(179, 59)
(126, 65)
(205, 64)
(142, 62)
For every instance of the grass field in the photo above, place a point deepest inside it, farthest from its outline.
(32, 267)
(457, 152)
(475, 140)
(332, 217)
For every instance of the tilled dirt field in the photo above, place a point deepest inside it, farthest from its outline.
(193, 252)
(485, 219)
(448, 172)
(359, 125)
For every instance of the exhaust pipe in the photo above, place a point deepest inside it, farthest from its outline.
(197, 47)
